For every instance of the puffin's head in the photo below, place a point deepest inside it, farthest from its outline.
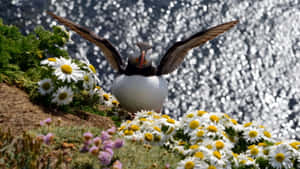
(141, 61)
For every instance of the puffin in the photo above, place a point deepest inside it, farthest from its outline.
(140, 85)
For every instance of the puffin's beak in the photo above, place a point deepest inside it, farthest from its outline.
(142, 59)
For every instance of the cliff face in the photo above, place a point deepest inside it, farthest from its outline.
(17, 113)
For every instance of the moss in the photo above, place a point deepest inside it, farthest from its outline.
(139, 156)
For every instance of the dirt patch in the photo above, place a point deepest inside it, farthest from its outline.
(18, 113)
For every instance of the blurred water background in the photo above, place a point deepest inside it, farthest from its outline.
(251, 72)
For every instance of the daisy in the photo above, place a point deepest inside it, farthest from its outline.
(254, 151)
(106, 99)
(135, 137)
(63, 96)
(179, 149)
(191, 163)
(214, 130)
(65, 70)
(88, 81)
(245, 160)
(219, 158)
(294, 144)
(202, 153)
(191, 126)
(193, 115)
(197, 135)
(45, 86)
(159, 138)
(148, 137)
(92, 68)
(49, 61)
(252, 134)
(280, 157)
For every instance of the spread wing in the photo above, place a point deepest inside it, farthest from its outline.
(111, 54)
(175, 55)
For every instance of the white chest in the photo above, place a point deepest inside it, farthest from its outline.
(140, 93)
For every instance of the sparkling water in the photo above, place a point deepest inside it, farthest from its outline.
(251, 72)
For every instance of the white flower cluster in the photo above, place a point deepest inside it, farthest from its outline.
(213, 141)
(67, 77)
(149, 127)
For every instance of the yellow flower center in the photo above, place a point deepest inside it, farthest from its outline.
(92, 68)
(211, 167)
(212, 128)
(156, 117)
(143, 119)
(86, 78)
(267, 134)
(181, 142)
(115, 102)
(266, 152)
(190, 115)
(200, 133)
(121, 128)
(67, 69)
(134, 127)
(262, 144)
(195, 146)
(295, 144)
(149, 113)
(157, 128)
(46, 86)
(214, 118)
(106, 97)
(189, 165)
(279, 157)
(194, 124)
(243, 161)
(252, 134)
(227, 116)
(247, 124)
(254, 151)
(201, 113)
(98, 87)
(63, 96)
(251, 146)
(219, 144)
(172, 121)
(209, 146)
(199, 155)
(128, 132)
(235, 155)
(52, 59)
(217, 154)
(250, 159)
(165, 116)
(148, 136)
(233, 121)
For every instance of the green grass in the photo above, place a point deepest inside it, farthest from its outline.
(132, 155)
(139, 156)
